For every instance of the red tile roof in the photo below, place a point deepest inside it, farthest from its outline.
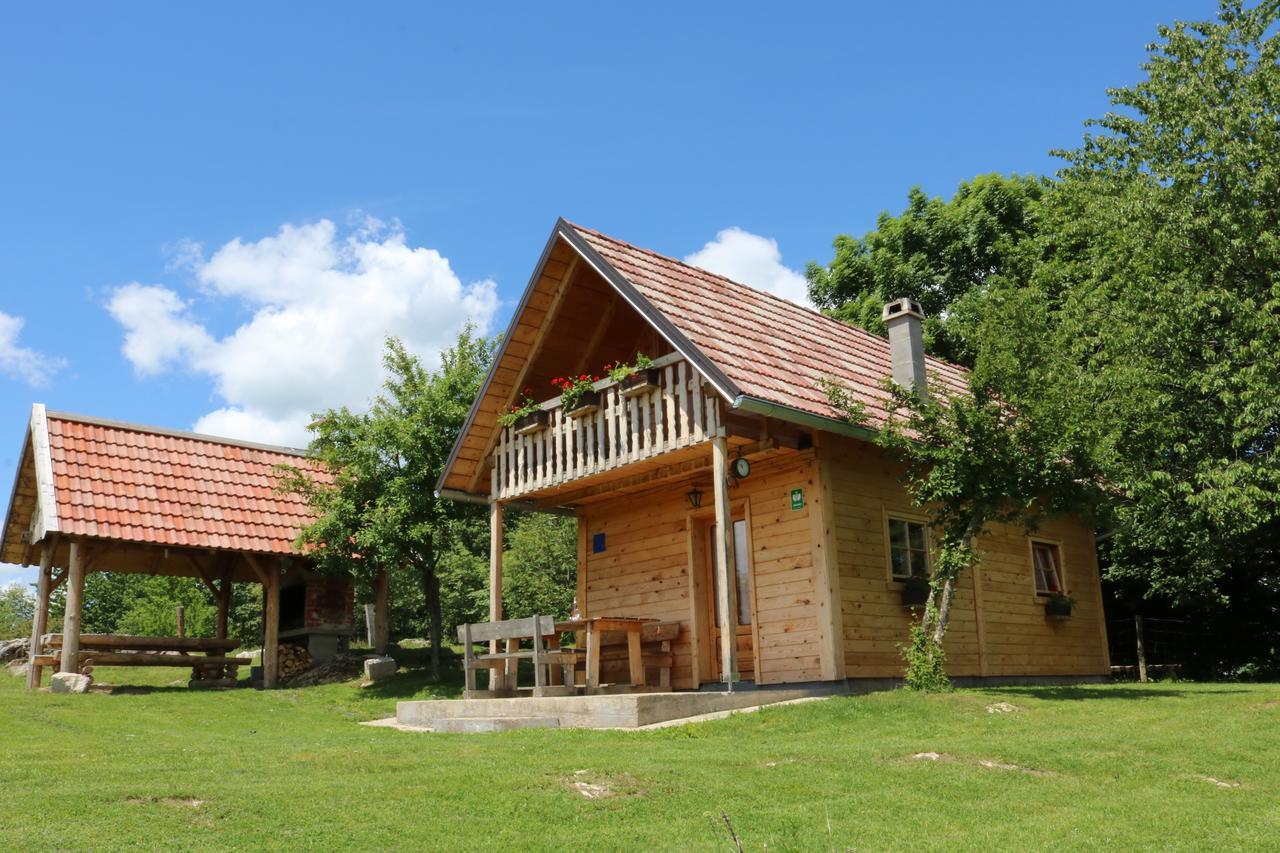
(770, 348)
(133, 483)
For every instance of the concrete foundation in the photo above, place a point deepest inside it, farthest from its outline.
(625, 711)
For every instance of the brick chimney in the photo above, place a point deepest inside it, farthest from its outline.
(905, 322)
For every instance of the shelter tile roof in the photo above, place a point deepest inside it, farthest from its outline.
(137, 484)
(772, 349)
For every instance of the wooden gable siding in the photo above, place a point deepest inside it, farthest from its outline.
(652, 566)
(999, 630)
(586, 326)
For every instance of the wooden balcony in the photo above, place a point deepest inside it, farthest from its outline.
(627, 427)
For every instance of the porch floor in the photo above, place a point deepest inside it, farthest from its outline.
(616, 711)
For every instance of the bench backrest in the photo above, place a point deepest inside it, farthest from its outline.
(508, 629)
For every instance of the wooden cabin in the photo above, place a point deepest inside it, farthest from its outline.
(723, 492)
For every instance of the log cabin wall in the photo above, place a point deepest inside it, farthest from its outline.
(653, 565)
(998, 626)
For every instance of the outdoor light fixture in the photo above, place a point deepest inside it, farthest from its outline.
(695, 497)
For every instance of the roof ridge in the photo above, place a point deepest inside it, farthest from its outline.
(174, 433)
(787, 303)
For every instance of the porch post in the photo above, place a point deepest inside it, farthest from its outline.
(495, 587)
(40, 619)
(75, 601)
(726, 582)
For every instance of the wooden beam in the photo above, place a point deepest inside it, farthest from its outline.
(495, 578)
(597, 337)
(826, 567)
(258, 569)
(224, 598)
(57, 580)
(270, 628)
(75, 601)
(40, 619)
(726, 587)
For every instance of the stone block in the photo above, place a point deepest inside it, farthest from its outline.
(378, 669)
(69, 682)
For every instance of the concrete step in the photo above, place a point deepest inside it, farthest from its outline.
(475, 725)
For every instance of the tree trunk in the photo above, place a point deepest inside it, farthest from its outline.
(432, 583)
(944, 610)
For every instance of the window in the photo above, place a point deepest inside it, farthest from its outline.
(741, 570)
(908, 554)
(1046, 563)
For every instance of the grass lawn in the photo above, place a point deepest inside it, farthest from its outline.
(1115, 766)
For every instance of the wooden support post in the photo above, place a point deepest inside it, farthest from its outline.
(182, 620)
(726, 582)
(495, 586)
(75, 601)
(381, 614)
(1142, 651)
(40, 619)
(271, 628)
(224, 603)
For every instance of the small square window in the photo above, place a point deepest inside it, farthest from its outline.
(1046, 563)
(908, 553)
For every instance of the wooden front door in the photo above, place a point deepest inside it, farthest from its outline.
(743, 618)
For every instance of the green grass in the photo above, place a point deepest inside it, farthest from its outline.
(1114, 766)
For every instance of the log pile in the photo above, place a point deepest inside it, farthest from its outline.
(293, 660)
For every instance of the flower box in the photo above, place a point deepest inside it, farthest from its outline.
(639, 382)
(1058, 609)
(535, 421)
(589, 402)
(915, 592)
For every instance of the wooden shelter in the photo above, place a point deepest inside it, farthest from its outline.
(97, 495)
(724, 492)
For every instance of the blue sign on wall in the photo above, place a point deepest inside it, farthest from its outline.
(597, 543)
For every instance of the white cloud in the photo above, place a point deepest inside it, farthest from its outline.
(19, 362)
(752, 260)
(321, 304)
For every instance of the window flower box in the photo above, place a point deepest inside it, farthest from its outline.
(535, 421)
(639, 382)
(587, 402)
(1058, 606)
(915, 591)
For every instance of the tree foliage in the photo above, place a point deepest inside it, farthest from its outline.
(381, 514)
(944, 254)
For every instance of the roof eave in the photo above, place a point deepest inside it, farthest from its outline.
(840, 426)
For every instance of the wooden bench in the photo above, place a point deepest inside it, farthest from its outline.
(502, 665)
(207, 657)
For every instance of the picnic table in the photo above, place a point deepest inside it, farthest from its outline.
(594, 628)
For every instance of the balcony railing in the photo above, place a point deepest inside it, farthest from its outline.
(627, 427)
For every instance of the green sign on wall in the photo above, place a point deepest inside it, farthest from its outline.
(797, 498)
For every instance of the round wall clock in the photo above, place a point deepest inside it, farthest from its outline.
(740, 468)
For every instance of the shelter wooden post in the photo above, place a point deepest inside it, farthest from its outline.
(40, 619)
(75, 601)
(381, 614)
(224, 603)
(271, 628)
(726, 588)
(495, 584)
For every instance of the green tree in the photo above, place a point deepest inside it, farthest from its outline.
(17, 608)
(380, 513)
(944, 254)
(540, 566)
(1161, 266)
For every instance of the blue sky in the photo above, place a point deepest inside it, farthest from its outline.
(211, 213)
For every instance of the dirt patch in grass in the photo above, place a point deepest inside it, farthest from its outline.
(1004, 708)
(182, 802)
(591, 785)
(988, 763)
(1220, 783)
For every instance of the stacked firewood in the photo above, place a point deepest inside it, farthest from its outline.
(294, 660)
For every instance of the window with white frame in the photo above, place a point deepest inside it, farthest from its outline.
(1046, 562)
(908, 554)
